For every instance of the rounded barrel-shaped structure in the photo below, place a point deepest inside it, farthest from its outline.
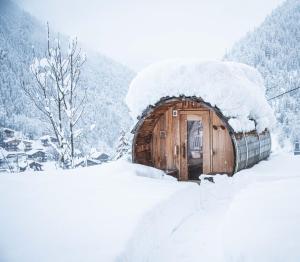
(187, 137)
(198, 117)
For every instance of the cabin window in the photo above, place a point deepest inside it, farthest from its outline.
(195, 136)
(297, 146)
(195, 147)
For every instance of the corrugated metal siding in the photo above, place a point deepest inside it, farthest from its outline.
(251, 148)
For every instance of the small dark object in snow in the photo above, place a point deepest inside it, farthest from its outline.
(210, 179)
(36, 166)
(22, 169)
(172, 172)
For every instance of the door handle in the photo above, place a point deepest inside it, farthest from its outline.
(183, 150)
(176, 150)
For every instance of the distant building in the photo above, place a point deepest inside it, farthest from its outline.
(17, 144)
(88, 162)
(101, 157)
(38, 155)
(48, 140)
(27, 145)
(11, 144)
(5, 134)
(8, 133)
(78, 153)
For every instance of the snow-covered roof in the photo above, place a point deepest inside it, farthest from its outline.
(34, 151)
(15, 153)
(12, 139)
(236, 89)
(45, 137)
(8, 129)
(98, 155)
(27, 141)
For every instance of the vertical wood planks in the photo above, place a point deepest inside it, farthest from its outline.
(168, 133)
(222, 148)
(183, 172)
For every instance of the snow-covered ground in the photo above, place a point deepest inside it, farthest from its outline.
(101, 213)
(125, 212)
(253, 216)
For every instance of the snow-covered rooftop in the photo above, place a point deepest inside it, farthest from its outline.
(236, 89)
(34, 151)
(12, 139)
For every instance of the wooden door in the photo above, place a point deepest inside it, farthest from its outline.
(197, 160)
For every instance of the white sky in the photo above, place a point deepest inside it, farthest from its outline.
(137, 33)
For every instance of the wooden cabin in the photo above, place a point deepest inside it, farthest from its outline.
(47, 140)
(187, 137)
(12, 144)
(101, 157)
(199, 117)
(38, 155)
(27, 145)
(8, 133)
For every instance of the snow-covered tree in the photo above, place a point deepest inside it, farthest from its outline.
(57, 95)
(22, 37)
(274, 49)
(123, 146)
(2, 109)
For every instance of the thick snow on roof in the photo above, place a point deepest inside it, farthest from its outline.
(236, 89)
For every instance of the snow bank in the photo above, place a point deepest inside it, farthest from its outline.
(253, 216)
(100, 213)
(236, 89)
(266, 218)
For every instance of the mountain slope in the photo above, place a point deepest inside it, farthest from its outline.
(274, 49)
(21, 38)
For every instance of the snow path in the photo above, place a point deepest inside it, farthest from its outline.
(113, 212)
(215, 233)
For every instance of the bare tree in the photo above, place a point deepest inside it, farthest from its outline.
(74, 101)
(57, 95)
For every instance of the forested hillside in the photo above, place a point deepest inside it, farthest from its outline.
(274, 49)
(22, 38)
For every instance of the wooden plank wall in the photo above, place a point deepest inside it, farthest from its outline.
(158, 141)
(222, 148)
(163, 141)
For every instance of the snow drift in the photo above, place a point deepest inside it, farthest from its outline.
(236, 89)
(111, 212)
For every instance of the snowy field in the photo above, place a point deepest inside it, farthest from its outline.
(253, 216)
(124, 212)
